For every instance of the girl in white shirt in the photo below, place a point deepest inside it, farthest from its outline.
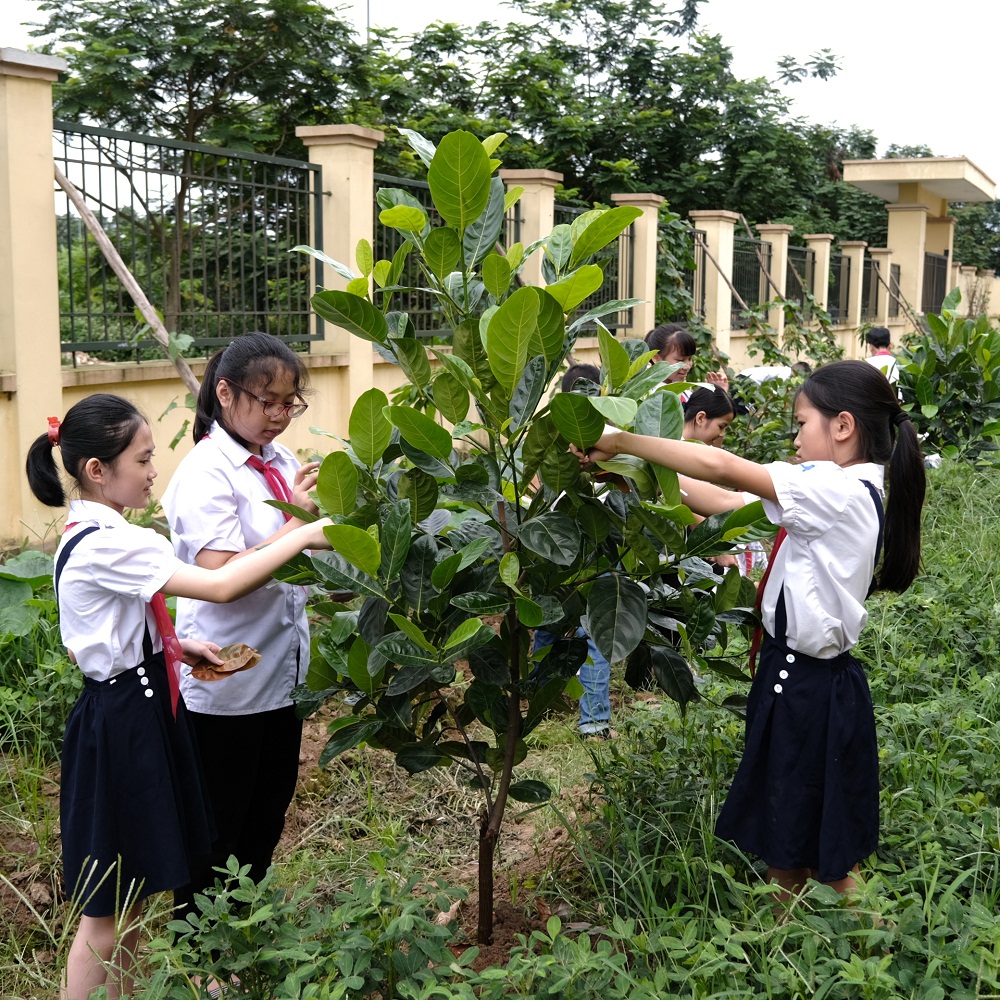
(217, 507)
(805, 796)
(133, 814)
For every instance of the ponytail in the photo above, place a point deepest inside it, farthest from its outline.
(908, 484)
(887, 437)
(252, 360)
(101, 426)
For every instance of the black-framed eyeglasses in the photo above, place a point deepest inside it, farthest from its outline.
(273, 407)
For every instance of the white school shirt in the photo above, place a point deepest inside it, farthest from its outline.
(216, 501)
(825, 564)
(105, 588)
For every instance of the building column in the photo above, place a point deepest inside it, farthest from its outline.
(719, 228)
(30, 362)
(537, 203)
(644, 247)
(882, 259)
(820, 244)
(346, 154)
(940, 235)
(854, 251)
(777, 235)
(908, 236)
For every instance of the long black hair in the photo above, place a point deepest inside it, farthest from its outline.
(101, 426)
(886, 436)
(253, 360)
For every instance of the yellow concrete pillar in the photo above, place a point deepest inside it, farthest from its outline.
(854, 251)
(940, 234)
(820, 244)
(346, 154)
(908, 237)
(30, 363)
(719, 228)
(777, 235)
(537, 206)
(644, 245)
(882, 260)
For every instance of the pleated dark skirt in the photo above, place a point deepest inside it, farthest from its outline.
(133, 808)
(806, 792)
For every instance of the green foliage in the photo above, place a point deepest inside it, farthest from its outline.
(462, 536)
(949, 382)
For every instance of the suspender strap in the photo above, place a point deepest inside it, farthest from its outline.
(65, 554)
(880, 511)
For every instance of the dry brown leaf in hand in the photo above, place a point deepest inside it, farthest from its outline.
(235, 657)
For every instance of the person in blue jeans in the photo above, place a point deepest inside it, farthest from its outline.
(595, 673)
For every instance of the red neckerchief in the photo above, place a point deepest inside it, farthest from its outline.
(275, 482)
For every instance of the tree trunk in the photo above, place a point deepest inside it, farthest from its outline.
(487, 852)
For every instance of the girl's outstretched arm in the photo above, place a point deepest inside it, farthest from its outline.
(709, 465)
(241, 576)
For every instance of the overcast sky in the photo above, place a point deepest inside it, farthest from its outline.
(907, 80)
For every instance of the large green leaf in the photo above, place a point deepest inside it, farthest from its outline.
(417, 570)
(347, 737)
(424, 148)
(527, 393)
(420, 430)
(342, 269)
(368, 427)
(616, 608)
(416, 757)
(335, 569)
(442, 250)
(541, 436)
(17, 616)
(661, 415)
(673, 675)
(405, 218)
(397, 530)
(481, 603)
(553, 536)
(485, 232)
(559, 470)
(570, 291)
(576, 419)
(412, 357)
(639, 385)
(496, 275)
(510, 331)
(421, 489)
(459, 370)
(352, 313)
(607, 227)
(31, 567)
(529, 790)
(460, 179)
(450, 397)
(559, 246)
(337, 485)
(551, 334)
(356, 546)
(617, 410)
(614, 358)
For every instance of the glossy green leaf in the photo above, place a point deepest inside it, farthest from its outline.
(617, 410)
(370, 431)
(347, 738)
(359, 286)
(459, 179)
(576, 419)
(405, 218)
(354, 314)
(420, 430)
(553, 536)
(415, 758)
(570, 291)
(642, 384)
(515, 253)
(342, 269)
(529, 790)
(481, 603)
(609, 226)
(336, 570)
(459, 370)
(397, 531)
(616, 608)
(424, 148)
(337, 485)
(559, 470)
(614, 358)
(527, 393)
(364, 257)
(510, 569)
(442, 250)
(412, 357)
(421, 489)
(528, 612)
(450, 397)
(496, 275)
(559, 246)
(415, 576)
(550, 337)
(673, 675)
(661, 415)
(356, 546)
(510, 331)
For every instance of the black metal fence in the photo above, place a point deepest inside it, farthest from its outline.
(935, 282)
(870, 287)
(894, 291)
(800, 278)
(751, 266)
(206, 232)
(839, 298)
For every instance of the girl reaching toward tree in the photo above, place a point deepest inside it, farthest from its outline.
(805, 795)
(133, 810)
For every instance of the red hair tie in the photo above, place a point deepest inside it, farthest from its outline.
(53, 431)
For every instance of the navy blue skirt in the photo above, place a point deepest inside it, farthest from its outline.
(133, 810)
(806, 792)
